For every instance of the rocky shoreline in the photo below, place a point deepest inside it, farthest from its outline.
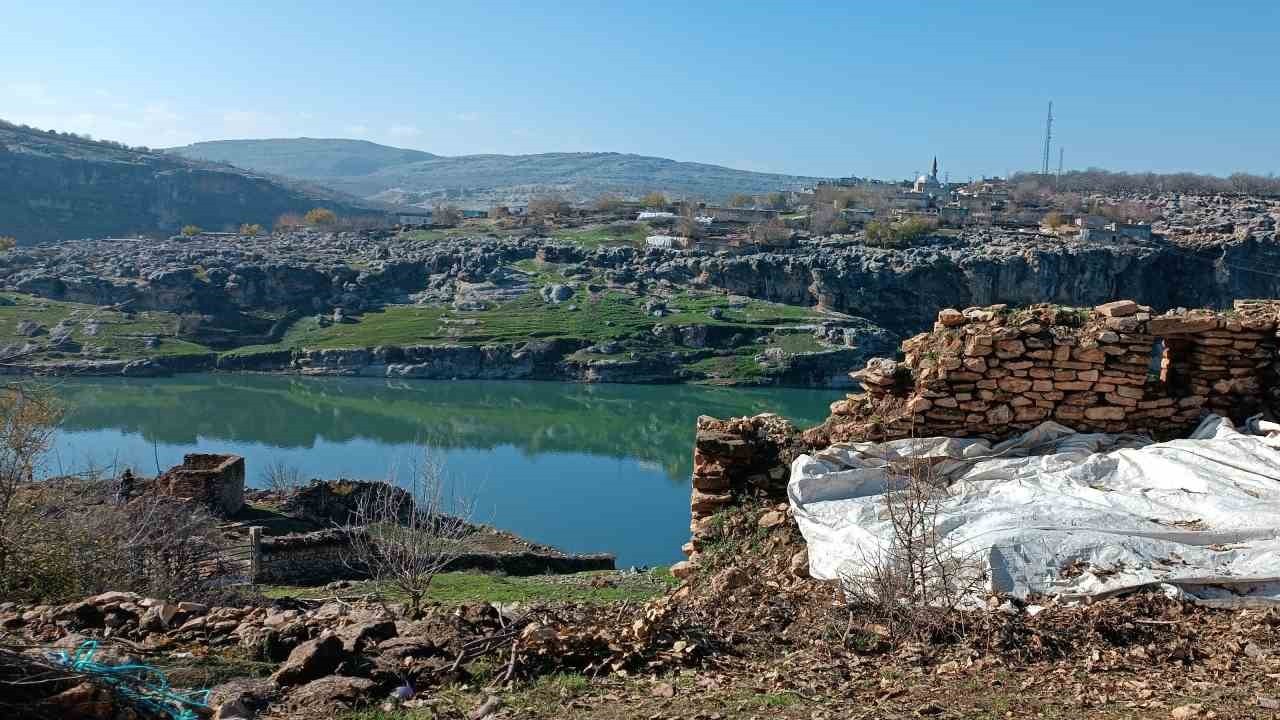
(537, 360)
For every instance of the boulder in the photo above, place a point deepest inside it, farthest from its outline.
(356, 637)
(333, 690)
(310, 660)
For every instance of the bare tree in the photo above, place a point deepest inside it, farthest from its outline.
(28, 420)
(279, 476)
(405, 537)
(447, 215)
(548, 205)
(919, 580)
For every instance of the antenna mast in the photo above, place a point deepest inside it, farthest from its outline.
(1048, 135)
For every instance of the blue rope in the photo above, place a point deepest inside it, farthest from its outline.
(145, 687)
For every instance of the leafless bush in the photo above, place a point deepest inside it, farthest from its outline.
(28, 419)
(918, 582)
(404, 537)
(548, 205)
(281, 477)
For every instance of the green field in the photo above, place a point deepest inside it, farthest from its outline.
(122, 333)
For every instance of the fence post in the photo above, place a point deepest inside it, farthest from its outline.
(255, 552)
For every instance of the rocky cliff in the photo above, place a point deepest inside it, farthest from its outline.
(56, 187)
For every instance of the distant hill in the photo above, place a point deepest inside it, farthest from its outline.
(56, 186)
(372, 170)
(306, 158)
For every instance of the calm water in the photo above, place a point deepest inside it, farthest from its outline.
(587, 468)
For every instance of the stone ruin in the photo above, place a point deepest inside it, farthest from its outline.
(993, 372)
(212, 480)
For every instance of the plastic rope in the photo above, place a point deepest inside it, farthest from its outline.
(145, 687)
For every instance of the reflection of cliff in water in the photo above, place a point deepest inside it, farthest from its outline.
(647, 422)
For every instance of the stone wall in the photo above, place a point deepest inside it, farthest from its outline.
(992, 372)
(215, 481)
(734, 460)
(323, 556)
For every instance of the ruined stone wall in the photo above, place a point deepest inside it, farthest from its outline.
(215, 481)
(734, 460)
(992, 372)
(323, 556)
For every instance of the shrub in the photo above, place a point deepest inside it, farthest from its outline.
(251, 229)
(7, 242)
(191, 230)
(320, 216)
(919, 581)
(607, 203)
(280, 476)
(885, 234)
(548, 205)
(404, 538)
(288, 221)
(654, 201)
(447, 215)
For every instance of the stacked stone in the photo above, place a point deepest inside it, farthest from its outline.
(734, 459)
(1227, 360)
(990, 372)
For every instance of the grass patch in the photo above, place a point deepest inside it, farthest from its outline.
(612, 235)
(122, 333)
(456, 588)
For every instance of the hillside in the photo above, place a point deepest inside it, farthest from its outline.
(367, 169)
(59, 186)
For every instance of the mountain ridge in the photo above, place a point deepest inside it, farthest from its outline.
(368, 169)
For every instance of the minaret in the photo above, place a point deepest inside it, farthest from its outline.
(934, 175)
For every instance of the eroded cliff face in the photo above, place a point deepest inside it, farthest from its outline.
(61, 187)
(903, 290)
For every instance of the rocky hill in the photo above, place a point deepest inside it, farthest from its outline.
(59, 186)
(367, 169)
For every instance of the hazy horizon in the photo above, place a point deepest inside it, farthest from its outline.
(801, 90)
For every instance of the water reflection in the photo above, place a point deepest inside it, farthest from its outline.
(585, 467)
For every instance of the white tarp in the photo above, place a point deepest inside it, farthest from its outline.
(1056, 512)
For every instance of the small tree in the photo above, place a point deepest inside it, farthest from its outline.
(775, 201)
(608, 202)
(251, 229)
(405, 537)
(28, 420)
(654, 201)
(919, 579)
(279, 476)
(769, 232)
(7, 242)
(548, 205)
(320, 216)
(688, 225)
(191, 230)
(288, 221)
(742, 201)
(447, 215)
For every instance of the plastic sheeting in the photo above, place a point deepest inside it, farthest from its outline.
(1054, 512)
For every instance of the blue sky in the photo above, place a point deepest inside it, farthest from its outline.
(822, 88)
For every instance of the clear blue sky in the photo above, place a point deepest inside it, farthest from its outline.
(822, 88)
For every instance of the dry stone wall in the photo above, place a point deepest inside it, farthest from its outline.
(992, 372)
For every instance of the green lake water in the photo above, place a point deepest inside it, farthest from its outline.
(587, 468)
